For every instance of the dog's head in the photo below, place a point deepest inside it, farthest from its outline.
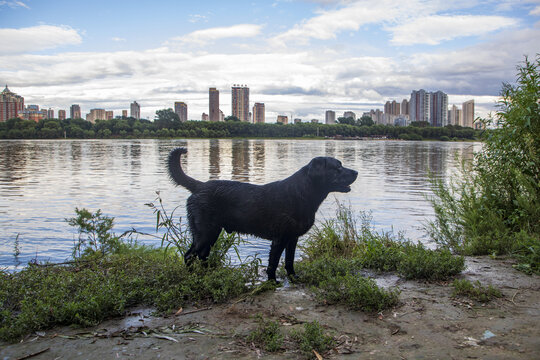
(329, 173)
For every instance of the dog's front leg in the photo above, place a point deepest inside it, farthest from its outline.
(275, 254)
(289, 258)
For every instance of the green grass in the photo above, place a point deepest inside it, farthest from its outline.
(337, 250)
(313, 337)
(343, 238)
(267, 335)
(86, 292)
(475, 291)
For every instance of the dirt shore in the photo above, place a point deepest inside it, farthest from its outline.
(428, 324)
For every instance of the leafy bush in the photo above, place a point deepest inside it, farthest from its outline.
(417, 262)
(495, 208)
(475, 291)
(313, 338)
(109, 275)
(267, 335)
(328, 245)
(95, 233)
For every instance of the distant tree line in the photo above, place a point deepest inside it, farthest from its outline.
(168, 125)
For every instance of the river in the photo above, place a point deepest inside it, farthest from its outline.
(43, 181)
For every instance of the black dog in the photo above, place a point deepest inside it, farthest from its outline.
(280, 211)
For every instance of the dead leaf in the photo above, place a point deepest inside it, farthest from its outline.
(165, 337)
(179, 312)
(319, 357)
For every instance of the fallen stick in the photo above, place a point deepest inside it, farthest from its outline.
(194, 311)
(33, 354)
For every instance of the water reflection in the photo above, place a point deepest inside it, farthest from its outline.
(240, 160)
(42, 181)
(214, 159)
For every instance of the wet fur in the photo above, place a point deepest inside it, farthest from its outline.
(280, 211)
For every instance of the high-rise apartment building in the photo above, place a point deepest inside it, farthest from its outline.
(32, 112)
(96, 114)
(124, 113)
(135, 111)
(405, 107)
(258, 113)
(75, 112)
(454, 116)
(419, 105)
(180, 108)
(438, 109)
(349, 114)
(213, 104)
(392, 108)
(11, 105)
(330, 117)
(283, 119)
(240, 102)
(50, 114)
(61, 115)
(468, 113)
(204, 117)
(109, 115)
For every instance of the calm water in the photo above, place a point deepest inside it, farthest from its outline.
(41, 183)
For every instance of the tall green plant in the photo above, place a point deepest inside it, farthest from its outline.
(495, 208)
(95, 233)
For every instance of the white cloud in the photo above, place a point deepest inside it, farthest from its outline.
(14, 4)
(434, 29)
(327, 24)
(193, 18)
(305, 82)
(36, 38)
(118, 39)
(201, 37)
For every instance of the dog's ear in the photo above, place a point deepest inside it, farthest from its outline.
(316, 168)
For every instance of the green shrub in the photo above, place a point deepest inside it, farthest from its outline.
(357, 292)
(267, 335)
(495, 208)
(329, 245)
(417, 262)
(336, 280)
(109, 275)
(95, 233)
(313, 338)
(475, 291)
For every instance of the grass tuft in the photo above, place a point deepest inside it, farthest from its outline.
(267, 335)
(475, 291)
(313, 338)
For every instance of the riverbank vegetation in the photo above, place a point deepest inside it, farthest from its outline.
(494, 209)
(109, 273)
(167, 125)
(337, 251)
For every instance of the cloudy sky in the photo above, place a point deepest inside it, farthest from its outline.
(299, 57)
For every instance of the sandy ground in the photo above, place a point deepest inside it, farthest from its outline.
(428, 324)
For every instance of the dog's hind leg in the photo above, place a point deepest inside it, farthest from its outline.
(275, 254)
(289, 257)
(204, 236)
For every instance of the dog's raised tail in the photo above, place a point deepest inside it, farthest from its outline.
(177, 174)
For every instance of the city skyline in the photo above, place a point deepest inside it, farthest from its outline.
(431, 107)
(301, 57)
